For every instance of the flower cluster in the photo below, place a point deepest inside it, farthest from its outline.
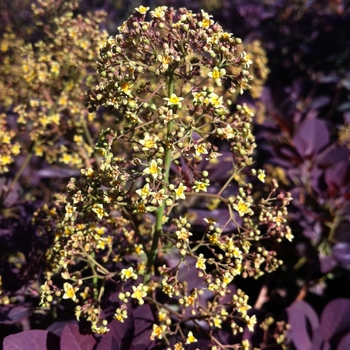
(130, 212)
(43, 83)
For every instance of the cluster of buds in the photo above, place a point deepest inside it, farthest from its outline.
(132, 206)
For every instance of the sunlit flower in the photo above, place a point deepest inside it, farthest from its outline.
(183, 234)
(206, 21)
(144, 192)
(149, 142)
(173, 100)
(153, 169)
(157, 332)
(69, 291)
(201, 149)
(98, 209)
(128, 273)
(165, 60)
(190, 338)
(139, 293)
(159, 12)
(200, 186)
(242, 207)
(200, 264)
(217, 75)
(159, 196)
(121, 314)
(279, 219)
(261, 175)
(251, 323)
(142, 9)
(180, 191)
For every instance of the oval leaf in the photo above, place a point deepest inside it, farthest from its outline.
(71, 339)
(335, 318)
(298, 314)
(31, 340)
(311, 137)
(345, 342)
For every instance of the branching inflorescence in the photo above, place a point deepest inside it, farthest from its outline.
(128, 222)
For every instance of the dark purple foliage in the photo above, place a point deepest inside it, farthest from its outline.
(306, 101)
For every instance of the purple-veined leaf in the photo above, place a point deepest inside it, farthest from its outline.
(32, 340)
(72, 339)
(298, 314)
(335, 318)
(311, 137)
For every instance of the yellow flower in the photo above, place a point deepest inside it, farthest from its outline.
(139, 293)
(261, 175)
(121, 314)
(142, 9)
(144, 192)
(159, 197)
(165, 60)
(173, 100)
(149, 142)
(183, 234)
(153, 169)
(200, 186)
(179, 191)
(200, 264)
(190, 338)
(216, 73)
(242, 207)
(251, 323)
(157, 331)
(201, 149)
(159, 12)
(128, 273)
(98, 209)
(279, 219)
(69, 291)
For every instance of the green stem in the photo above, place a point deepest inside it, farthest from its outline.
(160, 212)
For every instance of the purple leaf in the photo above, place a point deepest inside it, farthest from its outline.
(298, 314)
(341, 253)
(335, 318)
(144, 319)
(57, 327)
(31, 340)
(122, 332)
(71, 339)
(10, 314)
(320, 101)
(108, 342)
(311, 137)
(332, 156)
(344, 343)
(327, 263)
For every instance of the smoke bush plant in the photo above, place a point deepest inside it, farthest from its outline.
(127, 224)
